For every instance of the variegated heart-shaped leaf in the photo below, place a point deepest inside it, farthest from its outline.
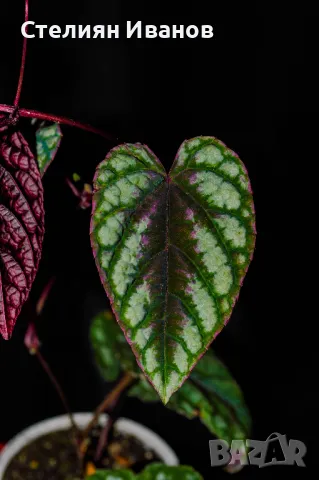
(172, 250)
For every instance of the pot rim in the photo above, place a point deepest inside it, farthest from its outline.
(62, 422)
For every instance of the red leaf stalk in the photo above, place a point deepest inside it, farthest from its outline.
(24, 54)
(25, 112)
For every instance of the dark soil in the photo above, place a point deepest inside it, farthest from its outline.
(54, 457)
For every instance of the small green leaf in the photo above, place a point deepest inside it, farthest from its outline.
(112, 475)
(172, 250)
(48, 140)
(213, 395)
(158, 471)
(112, 353)
(155, 471)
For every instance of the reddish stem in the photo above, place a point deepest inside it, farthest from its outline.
(103, 440)
(109, 400)
(73, 188)
(44, 296)
(23, 112)
(108, 430)
(24, 54)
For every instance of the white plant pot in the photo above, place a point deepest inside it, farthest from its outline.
(124, 425)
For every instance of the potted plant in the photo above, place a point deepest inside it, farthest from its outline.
(172, 250)
(73, 445)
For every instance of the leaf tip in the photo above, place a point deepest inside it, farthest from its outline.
(6, 328)
(5, 334)
(165, 398)
(166, 387)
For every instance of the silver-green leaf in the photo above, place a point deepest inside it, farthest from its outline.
(172, 250)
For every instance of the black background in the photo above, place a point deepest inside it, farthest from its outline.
(253, 86)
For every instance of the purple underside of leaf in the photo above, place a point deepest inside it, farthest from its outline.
(21, 225)
(172, 250)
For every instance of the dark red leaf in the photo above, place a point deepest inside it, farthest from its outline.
(21, 225)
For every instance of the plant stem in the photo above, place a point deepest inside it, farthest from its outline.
(73, 188)
(108, 431)
(112, 397)
(24, 54)
(57, 387)
(24, 112)
(44, 296)
(104, 437)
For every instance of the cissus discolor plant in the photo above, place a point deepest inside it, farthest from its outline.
(172, 250)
